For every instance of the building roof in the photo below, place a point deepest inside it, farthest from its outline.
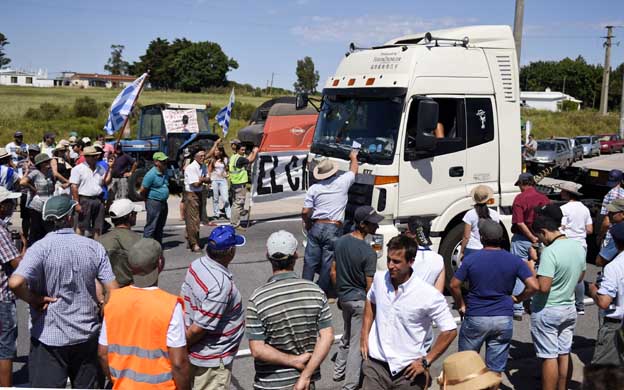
(102, 77)
(11, 72)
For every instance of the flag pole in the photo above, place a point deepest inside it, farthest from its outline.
(121, 130)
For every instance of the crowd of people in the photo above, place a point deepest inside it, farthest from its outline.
(98, 318)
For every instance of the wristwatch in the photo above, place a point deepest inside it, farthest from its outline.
(425, 363)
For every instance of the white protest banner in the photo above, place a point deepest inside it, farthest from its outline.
(173, 121)
(278, 173)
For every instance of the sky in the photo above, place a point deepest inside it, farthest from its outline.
(267, 37)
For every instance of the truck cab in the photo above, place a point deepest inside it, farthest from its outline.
(435, 114)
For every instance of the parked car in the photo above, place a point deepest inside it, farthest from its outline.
(577, 149)
(590, 144)
(550, 153)
(611, 143)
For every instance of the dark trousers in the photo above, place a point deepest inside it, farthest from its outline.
(156, 218)
(192, 204)
(377, 376)
(51, 366)
(38, 227)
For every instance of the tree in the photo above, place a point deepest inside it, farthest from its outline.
(4, 60)
(201, 65)
(116, 63)
(307, 77)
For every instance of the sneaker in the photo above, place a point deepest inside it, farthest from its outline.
(580, 312)
(517, 317)
(338, 378)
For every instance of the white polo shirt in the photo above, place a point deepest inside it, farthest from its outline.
(402, 320)
(89, 182)
(192, 174)
(428, 265)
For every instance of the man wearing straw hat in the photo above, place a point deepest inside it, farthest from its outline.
(466, 371)
(576, 225)
(323, 214)
(86, 181)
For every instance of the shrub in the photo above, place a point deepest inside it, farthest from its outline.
(45, 112)
(86, 107)
(243, 111)
(569, 105)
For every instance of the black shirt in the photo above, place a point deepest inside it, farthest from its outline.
(122, 165)
(355, 260)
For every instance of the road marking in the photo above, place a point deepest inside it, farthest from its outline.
(247, 352)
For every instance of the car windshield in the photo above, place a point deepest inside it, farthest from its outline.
(372, 122)
(546, 146)
(605, 138)
(583, 140)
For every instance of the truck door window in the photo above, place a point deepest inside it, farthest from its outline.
(480, 121)
(451, 130)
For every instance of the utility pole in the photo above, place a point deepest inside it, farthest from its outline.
(622, 108)
(272, 76)
(517, 31)
(604, 95)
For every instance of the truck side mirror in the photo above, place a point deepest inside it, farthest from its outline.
(426, 122)
(301, 101)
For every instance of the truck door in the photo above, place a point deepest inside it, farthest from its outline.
(482, 157)
(430, 181)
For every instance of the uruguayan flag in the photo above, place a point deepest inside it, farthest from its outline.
(224, 115)
(122, 105)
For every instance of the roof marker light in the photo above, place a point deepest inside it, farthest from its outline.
(370, 81)
(351, 82)
(335, 82)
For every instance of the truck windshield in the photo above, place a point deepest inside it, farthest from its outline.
(370, 121)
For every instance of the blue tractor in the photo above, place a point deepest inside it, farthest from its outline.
(154, 135)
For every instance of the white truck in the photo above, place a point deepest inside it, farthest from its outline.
(436, 114)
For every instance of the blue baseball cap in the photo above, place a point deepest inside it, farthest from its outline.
(617, 231)
(224, 237)
(615, 177)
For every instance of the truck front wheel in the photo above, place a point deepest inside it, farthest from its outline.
(134, 184)
(449, 249)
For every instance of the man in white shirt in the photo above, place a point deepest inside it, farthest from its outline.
(609, 296)
(400, 308)
(18, 149)
(194, 180)
(86, 181)
(576, 225)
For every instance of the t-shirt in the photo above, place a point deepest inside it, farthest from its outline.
(192, 175)
(613, 285)
(117, 243)
(523, 208)
(328, 198)
(472, 219)
(218, 169)
(428, 265)
(564, 262)
(9, 178)
(491, 275)
(44, 184)
(122, 164)
(355, 260)
(156, 184)
(576, 217)
(533, 147)
(14, 148)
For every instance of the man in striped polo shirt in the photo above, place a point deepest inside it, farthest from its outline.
(214, 318)
(288, 323)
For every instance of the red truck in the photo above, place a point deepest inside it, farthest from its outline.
(611, 143)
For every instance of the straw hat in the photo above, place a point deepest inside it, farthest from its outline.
(90, 151)
(4, 153)
(481, 194)
(466, 371)
(324, 169)
(570, 187)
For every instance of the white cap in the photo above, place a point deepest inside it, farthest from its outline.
(282, 242)
(86, 140)
(6, 194)
(122, 207)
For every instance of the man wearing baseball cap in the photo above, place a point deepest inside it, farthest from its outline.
(121, 238)
(615, 215)
(352, 275)
(57, 278)
(603, 237)
(155, 190)
(18, 149)
(270, 327)
(214, 311)
(609, 296)
(142, 343)
(10, 257)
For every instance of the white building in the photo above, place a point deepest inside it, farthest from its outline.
(546, 100)
(25, 79)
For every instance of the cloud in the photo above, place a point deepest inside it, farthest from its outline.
(369, 29)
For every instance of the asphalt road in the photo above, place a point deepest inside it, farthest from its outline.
(251, 269)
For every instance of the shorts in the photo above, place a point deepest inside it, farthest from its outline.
(91, 219)
(8, 331)
(552, 330)
(608, 251)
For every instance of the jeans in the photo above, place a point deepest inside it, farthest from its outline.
(495, 332)
(8, 330)
(156, 218)
(319, 254)
(220, 191)
(552, 329)
(349, 359)
(520, 246)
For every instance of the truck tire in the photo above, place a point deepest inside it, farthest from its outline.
(449, 249)
(134, 183)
